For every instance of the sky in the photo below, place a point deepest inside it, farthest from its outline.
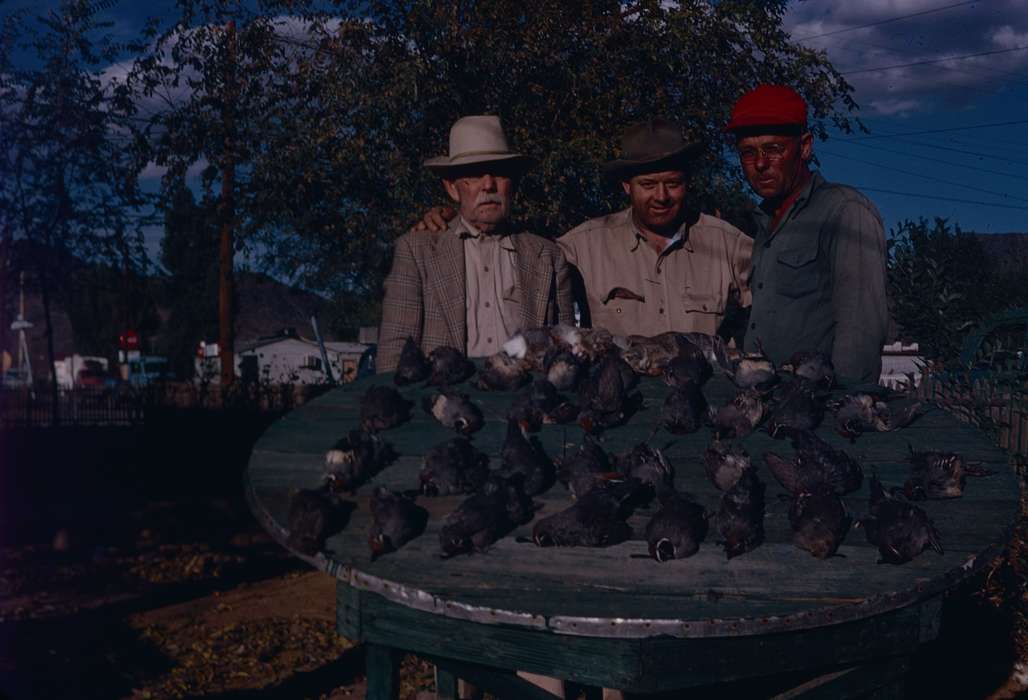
(942, 87)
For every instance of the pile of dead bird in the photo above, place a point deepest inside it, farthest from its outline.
(567, 375)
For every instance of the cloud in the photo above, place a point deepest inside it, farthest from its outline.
(927, 33)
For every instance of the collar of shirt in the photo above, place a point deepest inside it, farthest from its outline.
(466, 231)
(637, 239)
(793, 203)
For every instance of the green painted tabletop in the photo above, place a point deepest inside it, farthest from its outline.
(614, 591)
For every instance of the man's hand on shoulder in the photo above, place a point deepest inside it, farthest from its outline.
(435, 219)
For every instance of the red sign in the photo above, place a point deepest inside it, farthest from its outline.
(129, 340)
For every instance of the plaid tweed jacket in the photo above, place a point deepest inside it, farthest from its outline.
(425, 291)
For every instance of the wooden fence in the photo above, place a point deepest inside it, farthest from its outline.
(997, 406)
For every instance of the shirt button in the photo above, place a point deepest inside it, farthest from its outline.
(488, 340)
(487, 268)
(618, 309)
(662, 311)
(487, 305)
(760, 285)
(753, 326)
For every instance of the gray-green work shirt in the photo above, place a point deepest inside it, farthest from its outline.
(819, 281)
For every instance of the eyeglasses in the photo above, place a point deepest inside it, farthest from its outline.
(771, 151)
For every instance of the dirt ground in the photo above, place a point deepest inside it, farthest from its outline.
(167, 590)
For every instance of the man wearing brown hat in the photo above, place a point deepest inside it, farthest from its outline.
(474, 284)
(658, 265)
(819, 254)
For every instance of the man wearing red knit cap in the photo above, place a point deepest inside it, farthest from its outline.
(818, 278)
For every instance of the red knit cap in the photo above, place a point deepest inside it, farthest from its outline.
(768, 105)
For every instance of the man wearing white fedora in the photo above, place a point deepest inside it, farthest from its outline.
(475, 283)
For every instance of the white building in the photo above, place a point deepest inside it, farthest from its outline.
(285, 359)
(900, 363)
(79, 369)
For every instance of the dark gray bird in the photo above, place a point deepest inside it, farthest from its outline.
(856, 414)
(725, 463)
(536, 405)
(563, 369)
(604, 397)
(677, 529)
(501, 372)
(685, 410)
(799, 406)
(819, 522)
(588, 466)
(453, 467)
(596, 519)
(395, 520)
(814, 367)
(688, 367)
(525, 458)
(354, 459)
(454, 410)
(484, 517)
(314, 514)
(816, 463)
(938, 475)
(413, 365)
(449, 367)
(382, 408)
(741, 416)
(650, 468)
(754, 371)
(740, 518)
(899, 529)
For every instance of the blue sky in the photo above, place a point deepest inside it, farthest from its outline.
(958, 70)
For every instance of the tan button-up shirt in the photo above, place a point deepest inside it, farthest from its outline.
(493, 306)
(632, 290)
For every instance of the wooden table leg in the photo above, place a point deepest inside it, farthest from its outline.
(383, 669)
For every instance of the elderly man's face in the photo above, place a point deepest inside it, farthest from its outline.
(657, 199)
(484, 198)
(775, 165)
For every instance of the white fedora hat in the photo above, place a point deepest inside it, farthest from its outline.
(477, 139)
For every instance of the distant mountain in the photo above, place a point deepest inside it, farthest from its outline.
(1009, 251)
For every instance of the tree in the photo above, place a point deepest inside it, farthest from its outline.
(189, 252)
(68, 181)
(369, 97)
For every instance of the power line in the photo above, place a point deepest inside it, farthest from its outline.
(932, 61)
(923, 176)
(929, 158)
(969, 127)
(886, 21)
(944, 199)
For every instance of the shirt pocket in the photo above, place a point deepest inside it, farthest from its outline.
(797, 273)
(694, 301)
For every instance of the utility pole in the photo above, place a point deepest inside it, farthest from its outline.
(226, 248)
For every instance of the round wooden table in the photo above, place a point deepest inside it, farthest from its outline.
(610, 617)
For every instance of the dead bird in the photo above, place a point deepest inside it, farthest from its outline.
(395, 520)
(501, 372)
(454, 410)
(741, 416)
(856, 414)
(816, 463)
(685, 410)
(596, 519)
(799, 406)
(453, 467)
(315, 514)
(564, 369)
(689, 365)
(449, 367)
(819, 522)
(740, 517)
(899, 529)
(540, 403)
(354, 459)
(724, 464)
(484, 517)
(650, 355)
(604, 398)
(589, 344)
(650, 467)
(382, 408)
(938, 475)
(677, 529)
(525, 458)
(814, 367)
(588, 466)
(531, 346)
(413, 365)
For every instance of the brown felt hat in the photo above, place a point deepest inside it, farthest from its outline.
(651, 146)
